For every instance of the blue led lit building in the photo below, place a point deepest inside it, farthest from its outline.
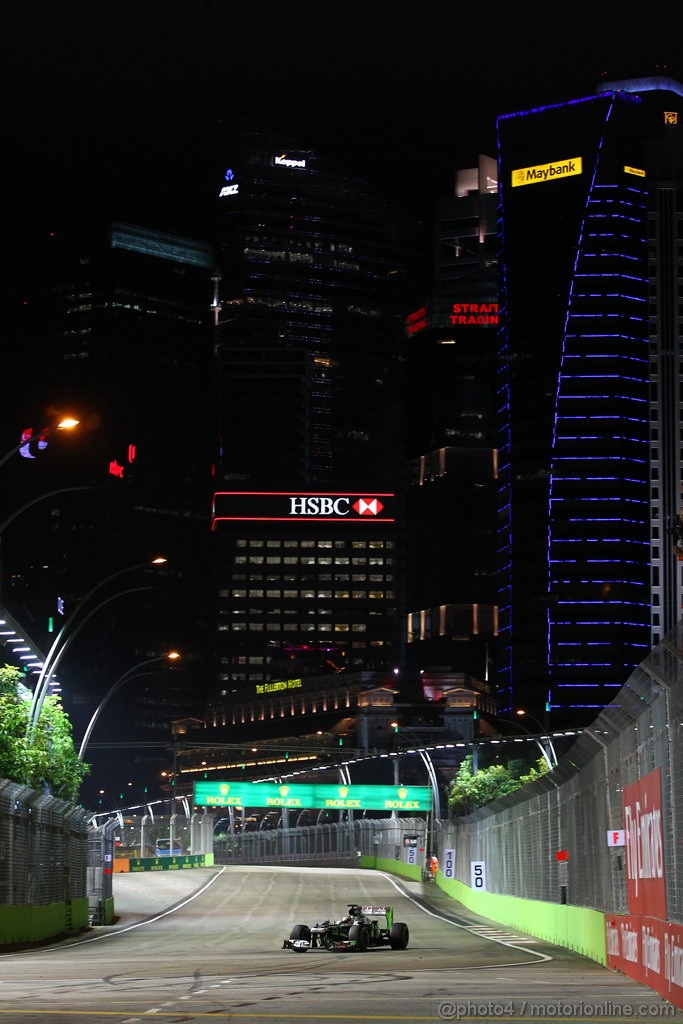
(589, 378)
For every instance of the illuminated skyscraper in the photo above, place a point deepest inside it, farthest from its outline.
(451, 567)
(590, 455)
(316, 271)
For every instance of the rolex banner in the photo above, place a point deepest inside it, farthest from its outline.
(313, 796)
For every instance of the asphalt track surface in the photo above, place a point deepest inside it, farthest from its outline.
(205, 945)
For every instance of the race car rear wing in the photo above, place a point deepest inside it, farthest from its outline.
(372, 911)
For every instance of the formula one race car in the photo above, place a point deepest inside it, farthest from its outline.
(358, 931)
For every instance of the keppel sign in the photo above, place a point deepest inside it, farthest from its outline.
(313, 796)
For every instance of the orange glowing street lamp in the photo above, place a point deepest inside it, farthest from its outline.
(66, 423)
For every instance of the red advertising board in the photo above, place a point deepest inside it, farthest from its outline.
(648, 950)
(645, 879)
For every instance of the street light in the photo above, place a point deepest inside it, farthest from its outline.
(67, 423)
(24, 508)
(60, 645)
(548, 750)
(132, 673)
(522, 712)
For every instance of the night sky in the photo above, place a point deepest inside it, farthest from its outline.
(125, 109)
(128, 106)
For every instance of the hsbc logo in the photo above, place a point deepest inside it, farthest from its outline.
(323, 505)
(368, 506)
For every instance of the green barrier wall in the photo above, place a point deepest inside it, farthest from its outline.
(108, 912)
(20, 925)
(198, 860)
(577, 928)
(392, 867)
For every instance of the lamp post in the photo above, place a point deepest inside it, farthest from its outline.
(61, 641)
(548, 751)
(522, 712)
(24, 508)
(41, 497)
(67, 423)
(132, 673)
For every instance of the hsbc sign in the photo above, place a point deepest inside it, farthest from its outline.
(318, 507)
(323, 505)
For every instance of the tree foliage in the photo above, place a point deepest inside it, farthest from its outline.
(470, 789)
(48, 760)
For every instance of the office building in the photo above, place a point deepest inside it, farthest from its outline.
(451, 481)
(590, 450)
(116, 330)
(316, 272)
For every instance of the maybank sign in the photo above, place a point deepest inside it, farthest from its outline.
(547, 172)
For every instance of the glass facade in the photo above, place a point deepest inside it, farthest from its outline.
(451, 497)
(315, 275)
(297, 606)
(575, 401)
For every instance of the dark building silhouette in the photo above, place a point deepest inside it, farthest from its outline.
(117, 331)
(450, 501)
(316, 272)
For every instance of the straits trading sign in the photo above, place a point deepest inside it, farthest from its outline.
(547, 172)
(313, 796)
(307, 506)
(467, 314)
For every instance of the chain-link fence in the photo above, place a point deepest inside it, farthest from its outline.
(571, 810)
(43, 848)
(330, 843)
(43, 863)
(141, 834)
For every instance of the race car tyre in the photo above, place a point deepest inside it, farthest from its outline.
(301, 931)
(399, 935)
(358, 933)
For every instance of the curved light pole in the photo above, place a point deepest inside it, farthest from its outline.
(546, 751)
(60, 644)
(523, 713)
(68, 423)
(132, 673)
(41, 497)
(24, 508)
